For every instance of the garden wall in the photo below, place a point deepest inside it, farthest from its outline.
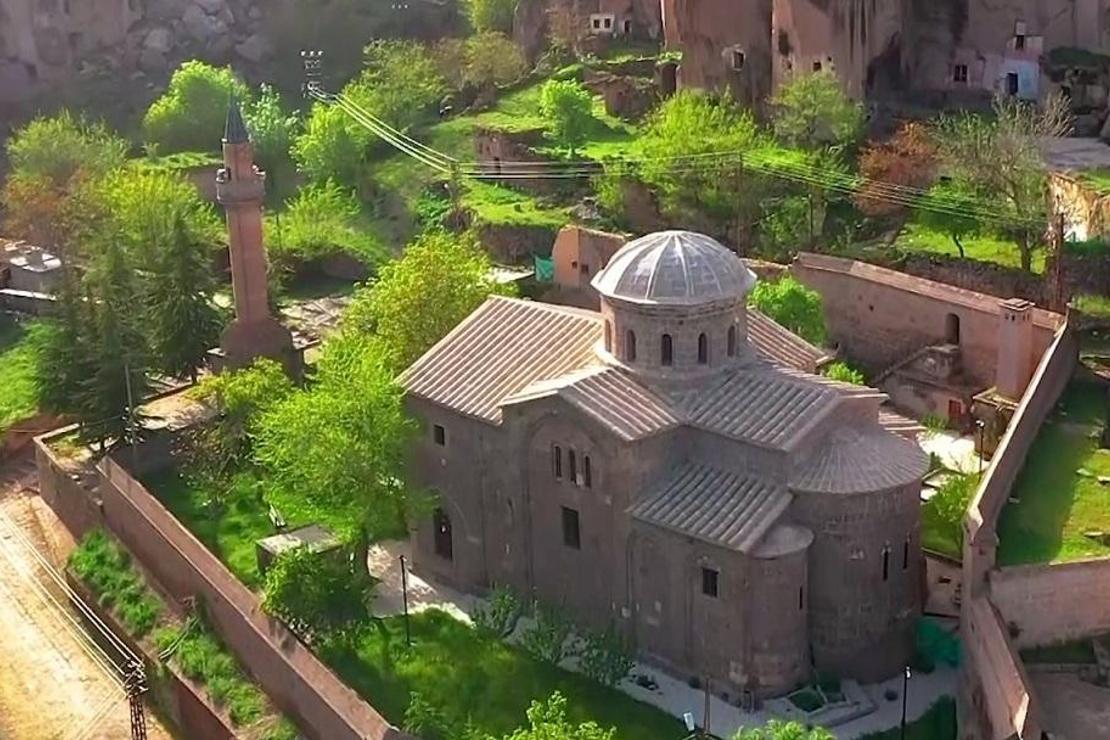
(171, 692)
(1054, 603)
(879, 316)
(299, 684)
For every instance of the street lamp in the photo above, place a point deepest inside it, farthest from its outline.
(979, 425)
(405, 597)
(905, 687)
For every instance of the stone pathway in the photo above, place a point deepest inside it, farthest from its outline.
(672, 695)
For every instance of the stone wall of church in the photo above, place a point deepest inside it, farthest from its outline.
(864, 579)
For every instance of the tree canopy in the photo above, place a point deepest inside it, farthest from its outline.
(778, 729)
(812, 112)
(491, 15)
(190, 115)
(547, 720)
(567, 107)
(439, 280)
(793, 305)
(908, 160)
(949, 208)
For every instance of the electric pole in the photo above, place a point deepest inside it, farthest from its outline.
(313, 61)
(136, 688)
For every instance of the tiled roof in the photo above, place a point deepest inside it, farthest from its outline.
(778, 344)
(613, 397)
(859, 460)
(713, 505)
(501, 348)
(763, 405)
(904, 426)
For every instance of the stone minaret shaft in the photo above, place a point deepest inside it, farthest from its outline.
(240, 189)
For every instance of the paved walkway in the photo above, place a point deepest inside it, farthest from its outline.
(955, 451)
(673, 696)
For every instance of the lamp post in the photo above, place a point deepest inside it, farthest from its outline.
(905, 688)
(405, 601)
(979, 424)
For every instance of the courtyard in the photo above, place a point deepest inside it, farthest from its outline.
(1059, 508)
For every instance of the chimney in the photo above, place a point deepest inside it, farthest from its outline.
(1015, 348)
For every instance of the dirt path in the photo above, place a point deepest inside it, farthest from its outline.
(50, 684)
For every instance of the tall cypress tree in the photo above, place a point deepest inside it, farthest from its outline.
(182, 321)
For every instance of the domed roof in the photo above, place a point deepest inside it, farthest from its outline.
(674, 267)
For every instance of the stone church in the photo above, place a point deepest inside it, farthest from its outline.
(654, 467)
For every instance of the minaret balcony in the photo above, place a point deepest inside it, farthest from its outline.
(233, 192)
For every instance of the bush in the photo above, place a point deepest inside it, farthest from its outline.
(1095, 247)
(272, 129)
(845, 373)
(58, 147)
(424, 719)
(811, 112)
(567, 106)
(605, 657)
(190, 116)
(202, 658)
(490, 15)
(793, 305)
(331, 146)
(400, 84)
(106, 568)
(498, 618)
(546, 639)
(321, 220)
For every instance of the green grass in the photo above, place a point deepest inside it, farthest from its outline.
(986, 248)
(938, 723)
(1078, 651)
(1098, 179)
(106, 568)
(230, 531)
(483, 679)
(936, 536)
(496, 204)
(1056, 505)
(19, 393)
(1094, 305)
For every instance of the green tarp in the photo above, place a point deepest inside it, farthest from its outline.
(545, 269)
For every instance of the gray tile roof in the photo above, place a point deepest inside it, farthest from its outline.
(501, 348)
(860, 460)
(716, 506)
(778, 344)
(763, 405)
(613, 397)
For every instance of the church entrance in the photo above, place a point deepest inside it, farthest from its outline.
(443, 543)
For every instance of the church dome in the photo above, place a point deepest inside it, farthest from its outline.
(674, 268)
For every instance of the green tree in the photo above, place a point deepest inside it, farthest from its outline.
(715, 192)
(216, 451)
(439, 280)
(182, 321)
(336, 452)
(64, 360)
(58, 147)
(1000, 158)
(778, 729)
(331, 146)
(320, 596)
(950, 503)
(272, 131)
(547, 720)
(493, 59)
(949, 208)
(567, 107)
(117, 378)
(812, 112)
(400, 83)
(190, 115)
(792, 305)
(491, 15)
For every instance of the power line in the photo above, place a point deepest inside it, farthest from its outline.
(767, 164)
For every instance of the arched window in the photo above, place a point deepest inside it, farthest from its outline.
(557, 461)
(886, 563)
(952, 329)
(572, 463)
(587, 474)
(630, 346)
(906, 554)
(445, 548)
(666, 350)
(732, 341)
(608, 337)
(703, 349)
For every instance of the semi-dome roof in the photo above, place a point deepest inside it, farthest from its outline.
(674, 267)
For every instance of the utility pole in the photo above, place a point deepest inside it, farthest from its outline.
(1057, 291)
(132, 435)
(136, 688)
(313, 61)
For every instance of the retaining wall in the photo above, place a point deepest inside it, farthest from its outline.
(1053, 603)
(299, 684)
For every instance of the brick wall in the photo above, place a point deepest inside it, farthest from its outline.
(1054, 603)
(299, 684)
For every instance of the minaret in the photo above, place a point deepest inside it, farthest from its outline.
(240, 188)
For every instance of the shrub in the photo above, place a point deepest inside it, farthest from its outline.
(272, 128)
(793, 305)
(58, 147)
(845, 373)
(106, 568)
(331, 146)
(190, 116)
(811, 112)
(322, 220)
(400, 84)
(499, 616)
(490, 15)
(547, 637)
(605, 657)
(426, 720)
(202, 658)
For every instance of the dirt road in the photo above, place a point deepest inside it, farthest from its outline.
(53, 684)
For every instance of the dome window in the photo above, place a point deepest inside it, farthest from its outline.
(703, 349)
(732, 341)
(630, 346)
(666, 351)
